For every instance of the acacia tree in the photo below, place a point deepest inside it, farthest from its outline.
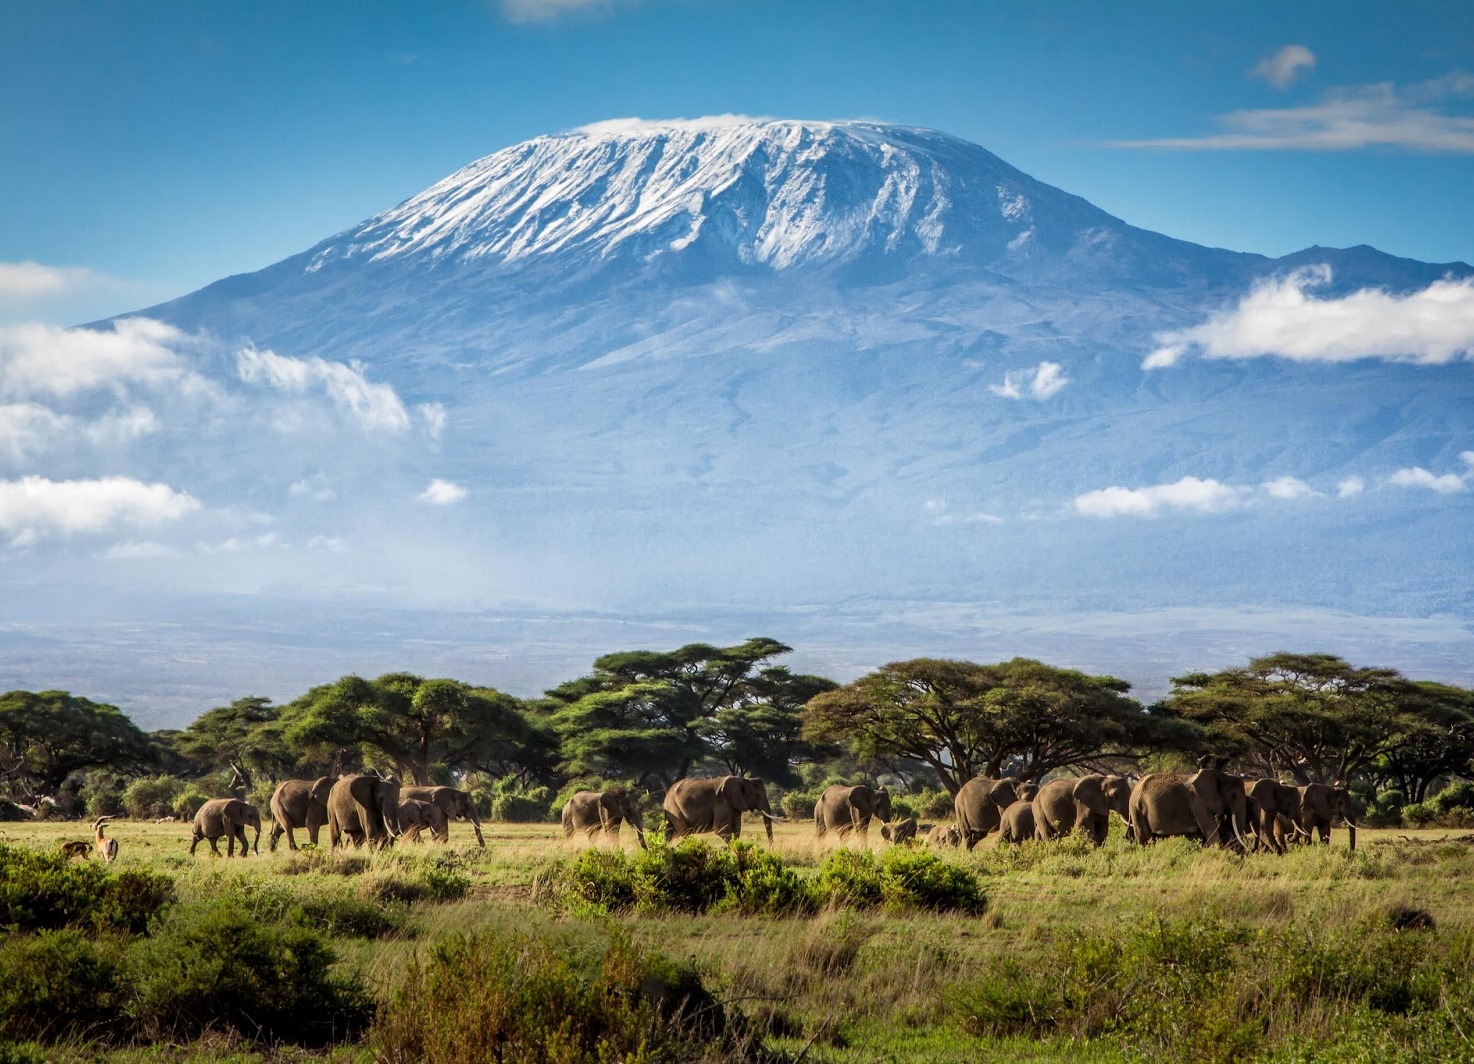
(1313, 716)
(237, 737)
(964, 719)
(46, 736)
(652, 716)
(413, 724)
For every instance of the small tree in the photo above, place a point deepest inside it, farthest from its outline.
(46, 736)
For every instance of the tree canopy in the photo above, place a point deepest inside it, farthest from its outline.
(45, 736)
(963, 719)
(1313, 716)
(652, 716)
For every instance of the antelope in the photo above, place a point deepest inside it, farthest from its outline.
(106, 848)
(79, 848)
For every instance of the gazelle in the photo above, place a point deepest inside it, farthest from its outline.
(106, 848)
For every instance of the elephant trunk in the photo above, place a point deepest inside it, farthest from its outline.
(256, 842)
(1350, 833)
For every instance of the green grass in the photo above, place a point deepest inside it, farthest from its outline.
(881, 985)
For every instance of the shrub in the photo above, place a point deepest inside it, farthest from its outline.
(9, 811)
(922, 805)
(1452, 807)
(522, 998)
(188, 801)
(151, 797)
(102, 797)
(57, 985)
(900, 879)
(46, 891)
(217, 967)
(533, 806)
(350, 916)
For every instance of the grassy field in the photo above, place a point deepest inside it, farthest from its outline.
(1122, 953)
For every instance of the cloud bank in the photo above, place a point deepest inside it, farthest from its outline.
(531, 12)
(1280, 317)
(1443, 483)
(376, 407)
(38, 359)
(1408, 117)
(33, 507)
(1193, 494)
(26, 281)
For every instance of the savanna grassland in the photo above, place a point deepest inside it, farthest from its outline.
(1122, 953)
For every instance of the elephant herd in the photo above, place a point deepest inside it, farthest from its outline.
(1212, 805)
(355, 809)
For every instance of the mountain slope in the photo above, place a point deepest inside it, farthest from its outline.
(798, 369)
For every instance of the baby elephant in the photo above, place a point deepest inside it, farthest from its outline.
(228, 817)
(902, 831)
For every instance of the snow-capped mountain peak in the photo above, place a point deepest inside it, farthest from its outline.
(774, 193)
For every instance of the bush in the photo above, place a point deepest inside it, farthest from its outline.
(57, 985)
(922, 805)
(188, 801)
(522, 998)
(46, 891)
(900, 879)
(102, 797)
(1452, 807)
(151, 797)
(217, 967)
(533, 806)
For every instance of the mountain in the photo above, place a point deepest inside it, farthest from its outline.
(862, 382)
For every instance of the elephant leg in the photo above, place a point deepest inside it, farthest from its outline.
(277, 831)
(214, 846)
(195, 842)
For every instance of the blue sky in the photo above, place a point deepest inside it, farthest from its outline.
(152, 147)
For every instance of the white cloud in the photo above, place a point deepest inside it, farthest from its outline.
(328, 543)
(1281, 68)
(236, 544)
(1288, 488)
(37, 359)
(1189, 493)
(940, 513)
(526, 12)
(1041, 382)
(376, 407)
(433, 416)
(315, 487)
(31, 280)
(442, 493)
(1418, 477)
(1383, 115)
(133, 549)
(1279, 318)
(34, 507)
(1350, 487)
(29, 428)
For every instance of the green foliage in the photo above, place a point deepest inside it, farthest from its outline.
(1202, 988)
(1453, 807)
(525, 999)
(58, 985)
(47, 891)
(922, 804)
(901, 879)
(101, 795)
(651, 715)
(48, 735)
(217, 967)
(416, 725)
(151, 797)
(513, 805)
(441, 877)
(964, 719)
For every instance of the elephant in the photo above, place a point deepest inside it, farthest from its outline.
(943, 835)
(301, 804)
(1274, 812)
(844, 809)
(228, 817)
(1176, 803)
(979, 806)
(697, 805)
(1083, 802)
(416, 814)
(595, 811)
(1025, 791)
(1019, 823)
(452, 803)
(900, 831)
(363, 809)
(1320, 803)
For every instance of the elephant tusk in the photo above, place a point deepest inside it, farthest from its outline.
(775, 819)
(1233, 822)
